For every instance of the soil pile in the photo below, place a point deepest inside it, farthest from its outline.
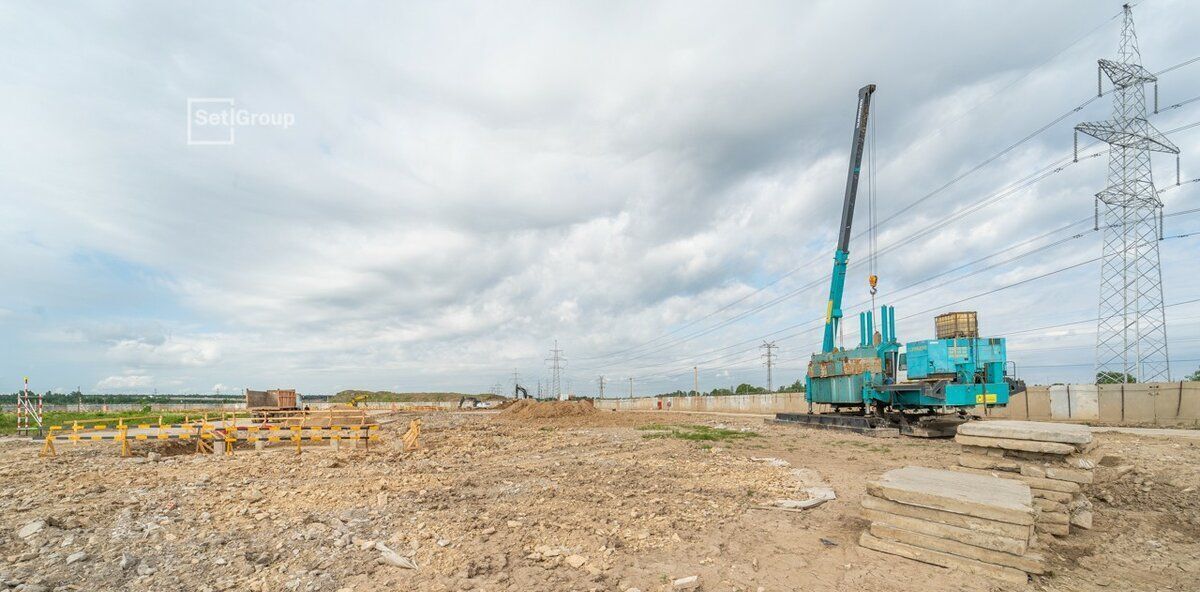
(531, 409)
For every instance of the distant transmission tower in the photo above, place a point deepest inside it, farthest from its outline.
(601, 387)
(769, 361)
(557, 362)
(1131, 337)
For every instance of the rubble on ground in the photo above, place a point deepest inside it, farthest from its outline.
(534, 409)
(583, 503)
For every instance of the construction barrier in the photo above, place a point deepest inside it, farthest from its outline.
(206, 435)
(410, 437)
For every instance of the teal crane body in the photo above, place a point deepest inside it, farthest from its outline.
(941, 373)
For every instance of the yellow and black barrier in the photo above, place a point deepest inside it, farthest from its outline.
(205, 434)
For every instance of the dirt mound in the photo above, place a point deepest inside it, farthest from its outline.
(531, 409)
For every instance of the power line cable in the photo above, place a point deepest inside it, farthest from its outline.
(1044, 173)
(972, 297)
(1053, 168)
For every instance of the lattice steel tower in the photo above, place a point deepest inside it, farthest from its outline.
(557, 363)
(1131, 337)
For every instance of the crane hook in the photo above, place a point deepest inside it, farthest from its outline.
(873, 280)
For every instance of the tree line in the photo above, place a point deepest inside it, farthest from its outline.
(1114, 377)
(74, 397)
(741, 389)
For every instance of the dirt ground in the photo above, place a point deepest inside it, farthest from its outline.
(574, 503)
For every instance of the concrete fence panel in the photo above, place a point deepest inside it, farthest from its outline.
(1074, 402)
(1189, 406)
(1168, 403)
(1037, 400)
(1139, 405)
(1169, 400)
(1112, 403)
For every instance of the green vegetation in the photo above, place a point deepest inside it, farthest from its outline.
(695, 433)
(390, 397)
(741, 389)
(654, 426)
(1112, 377)
(1195, 376)
(8, 421)
(76, 397)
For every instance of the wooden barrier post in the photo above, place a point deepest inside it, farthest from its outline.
(122, 435)
(48, 449)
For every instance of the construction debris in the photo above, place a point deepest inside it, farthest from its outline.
(412, 436)
(508, 505)
(1048, 457)
(982, 525)
(816, 491)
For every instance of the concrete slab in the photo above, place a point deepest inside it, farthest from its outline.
(1014, 444)
(1032, 482)
(982, 496)
(1083, 476)
(1054, 518)
(1082, 519)
(983, 451)
(980, 525)
(1030, 564)
(945, 531)
(984, 461)
(1043, 471)
(1027, 468)
(1028, 430)
(1056, 496)
(1054, 529)
(1046, 505)
(939, 558)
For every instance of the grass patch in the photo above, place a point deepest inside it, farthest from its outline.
(695, 433)
(653, 427)
(391, 397)
(8, 421)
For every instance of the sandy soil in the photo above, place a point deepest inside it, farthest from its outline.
(572, 503)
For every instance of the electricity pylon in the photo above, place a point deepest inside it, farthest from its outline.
(557, 362)
(1131, 335)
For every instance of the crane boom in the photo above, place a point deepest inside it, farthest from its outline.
(833, 311)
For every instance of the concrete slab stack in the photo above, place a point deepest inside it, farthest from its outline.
(1051, 458)
(983, 525)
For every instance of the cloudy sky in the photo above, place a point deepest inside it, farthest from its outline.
(443, 189)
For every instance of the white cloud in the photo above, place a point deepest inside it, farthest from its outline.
(125, 381)
(458, 191)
